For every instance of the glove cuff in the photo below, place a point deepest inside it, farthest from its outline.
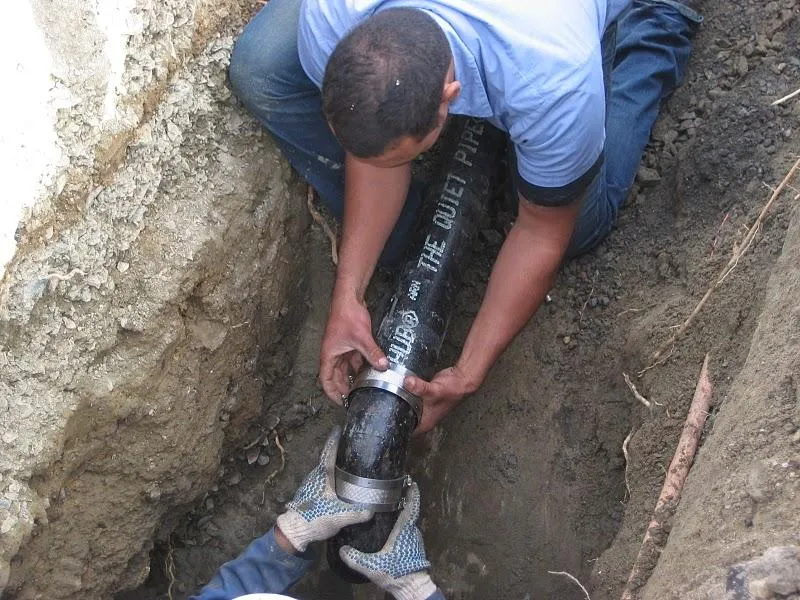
(296, 529)
(416, 586)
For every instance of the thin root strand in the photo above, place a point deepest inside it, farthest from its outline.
(786, 97)
(271, 477)
(627, 461)
(636, 393)
(574, 580)
(169, 567)
(320, 220)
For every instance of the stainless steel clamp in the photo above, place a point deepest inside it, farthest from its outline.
(391, 380)
(381, 495)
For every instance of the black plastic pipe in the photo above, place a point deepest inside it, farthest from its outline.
(381, 415)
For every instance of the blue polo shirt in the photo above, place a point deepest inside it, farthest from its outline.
(531, 67)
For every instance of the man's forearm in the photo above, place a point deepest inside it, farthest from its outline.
(374, 198)
(521, 277)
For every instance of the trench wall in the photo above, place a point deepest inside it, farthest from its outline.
(742, 497)
(149, 256)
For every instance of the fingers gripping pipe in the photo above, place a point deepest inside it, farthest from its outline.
(381, 414)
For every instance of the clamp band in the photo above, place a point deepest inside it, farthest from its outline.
(381, 495)
(391, 380)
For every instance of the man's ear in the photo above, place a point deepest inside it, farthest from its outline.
(451, 91)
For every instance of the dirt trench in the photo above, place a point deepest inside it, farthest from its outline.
(528, 476)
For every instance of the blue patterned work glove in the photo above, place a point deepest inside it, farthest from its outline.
(316, 513)
(400, 567)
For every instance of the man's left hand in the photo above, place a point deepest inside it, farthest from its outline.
(440, 395)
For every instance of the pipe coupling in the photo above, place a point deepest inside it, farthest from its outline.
(391, 380)
(381, 495)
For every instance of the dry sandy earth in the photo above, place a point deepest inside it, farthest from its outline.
(529, 475)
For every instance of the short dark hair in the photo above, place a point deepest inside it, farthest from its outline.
(384, 80)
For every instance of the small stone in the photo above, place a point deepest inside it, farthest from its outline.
(174, 133)
(138, 215)
(567, 339)
(69, 323)
(122, 266)
(647, 177)
(213, 529)
(778, 69)
(740, 65)
(209, 504)
(253, 454)
(776, 45)
(234, 479)
(94, 238)
(263, 459)
(670, 137)
(8, 524)
(758, 482)
(97, 280)
(208, 332)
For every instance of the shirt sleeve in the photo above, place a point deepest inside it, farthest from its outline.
(437, 595)
(559, 145)
(264, 567)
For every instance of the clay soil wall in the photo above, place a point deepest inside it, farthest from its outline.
(150, 239)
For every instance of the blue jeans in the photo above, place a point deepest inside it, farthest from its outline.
(644, 61)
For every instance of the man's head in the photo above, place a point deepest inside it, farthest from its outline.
(388, 85)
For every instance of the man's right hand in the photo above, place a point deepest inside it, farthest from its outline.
(347, 342)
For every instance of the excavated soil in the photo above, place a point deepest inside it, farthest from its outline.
(528, 476)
